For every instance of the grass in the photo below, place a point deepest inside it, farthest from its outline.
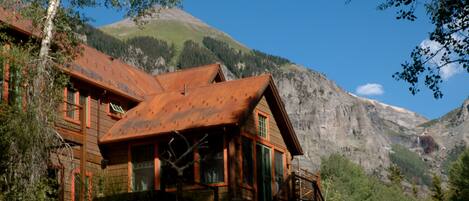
(173, 32)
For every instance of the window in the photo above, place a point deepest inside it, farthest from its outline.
(77, 184)
(168, 174)
(248, 166)
(71, 98)
(143, 168)
(212, 160)
(116, 108)
(14, 85)
(74, 99)
(278, 161)
(85, 103)
(262, 125)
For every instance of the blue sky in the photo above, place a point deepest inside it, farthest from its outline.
(354, 44)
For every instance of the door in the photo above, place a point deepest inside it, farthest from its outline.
(264, 173)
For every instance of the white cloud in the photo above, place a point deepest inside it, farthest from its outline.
(446, 71)
(370, 89)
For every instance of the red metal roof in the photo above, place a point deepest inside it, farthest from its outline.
(223, 103)
(96, 67)
(113, 74)
(15, 21)
(192, 77)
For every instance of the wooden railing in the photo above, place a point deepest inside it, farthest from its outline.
(300, 186)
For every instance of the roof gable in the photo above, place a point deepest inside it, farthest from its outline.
(224, 103)
(192, 77)
(218, 104)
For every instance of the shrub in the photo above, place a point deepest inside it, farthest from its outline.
(411, 165)
(344, 180)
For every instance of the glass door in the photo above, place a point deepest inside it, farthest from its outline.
(264, 173)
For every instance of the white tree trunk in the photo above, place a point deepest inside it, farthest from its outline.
(45, 45)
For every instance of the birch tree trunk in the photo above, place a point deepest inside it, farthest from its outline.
(45, 47)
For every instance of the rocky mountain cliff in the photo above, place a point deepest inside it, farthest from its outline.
(326, 118)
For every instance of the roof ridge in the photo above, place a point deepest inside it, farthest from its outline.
(189, 69)
(217, 84)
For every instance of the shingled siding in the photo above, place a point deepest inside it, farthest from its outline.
(96, 128)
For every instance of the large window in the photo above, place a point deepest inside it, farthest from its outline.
(278, 160)
(143, 167)
(262, 125)
(77, 184)
(212, 161)
(248, 166)
(168, 174)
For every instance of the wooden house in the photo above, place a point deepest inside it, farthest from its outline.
(131, 124)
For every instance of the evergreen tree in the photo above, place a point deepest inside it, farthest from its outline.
(395, 175)
(193, 54)
(415, 190)
(459, 178)
(437, 193)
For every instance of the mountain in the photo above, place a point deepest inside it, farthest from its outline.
(327, 119)
(172, 25)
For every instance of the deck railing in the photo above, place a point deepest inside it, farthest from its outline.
(300, 186)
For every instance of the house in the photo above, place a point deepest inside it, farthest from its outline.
(125, 125)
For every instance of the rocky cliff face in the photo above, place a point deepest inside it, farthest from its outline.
(329, 120)
(450, 133)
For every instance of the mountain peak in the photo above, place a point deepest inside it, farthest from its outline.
(165, 14)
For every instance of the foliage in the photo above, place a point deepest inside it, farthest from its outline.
(437, 192)
(193, 54)
(449, 41)
(156, 53)
(395, 175)
(344, 180)
(452, 156)
(241, 63)
(103, 42)
(411, 165)
(146, 52)
(26, 147)
(459, 178)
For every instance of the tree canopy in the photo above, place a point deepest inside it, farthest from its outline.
(447, 46)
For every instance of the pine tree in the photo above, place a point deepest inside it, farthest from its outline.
(395, 175)
(437, 193)
(459, 178)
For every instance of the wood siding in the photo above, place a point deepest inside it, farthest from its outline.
(112, 178)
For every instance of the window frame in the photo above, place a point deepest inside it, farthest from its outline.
(259, 113)
(256, 139)
(274, 171)
(76, 118)
(115, 101)
(156, 168)
(89, 176)
(198, 171)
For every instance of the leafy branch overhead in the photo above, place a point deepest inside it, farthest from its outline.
(448, 46)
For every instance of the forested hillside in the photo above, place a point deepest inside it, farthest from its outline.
(154, 55)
